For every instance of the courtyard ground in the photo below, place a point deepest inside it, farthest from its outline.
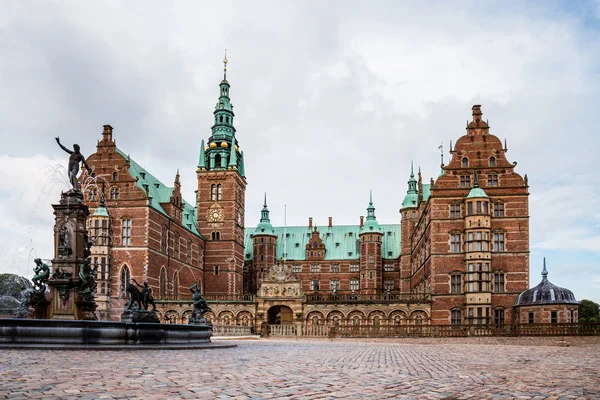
(314, 369)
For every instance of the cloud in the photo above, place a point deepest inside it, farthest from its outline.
(331, 100)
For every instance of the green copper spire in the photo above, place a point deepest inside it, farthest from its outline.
(412, 196)
(233, 156)
(202, 159)
(371, 223)
(242, 172)
(264, 227)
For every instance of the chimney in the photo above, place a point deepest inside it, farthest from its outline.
(330, 221)
(309, 222)
(362, 220)
(107, 133)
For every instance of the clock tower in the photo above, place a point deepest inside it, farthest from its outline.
(221, 197)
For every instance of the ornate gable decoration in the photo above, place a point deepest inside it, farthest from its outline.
(280, 273)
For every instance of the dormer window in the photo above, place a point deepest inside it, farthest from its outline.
(465, 162)
(143, 175)
(315, 245)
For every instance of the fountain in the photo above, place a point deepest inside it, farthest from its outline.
(61, 310)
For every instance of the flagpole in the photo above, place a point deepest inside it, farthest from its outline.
(284, 233)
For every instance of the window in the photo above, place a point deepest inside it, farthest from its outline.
(315, 268)
(354, 284)
(335, 267)
(314, 284)
(478, 241)
(388, 267)
(115, 177)
(455, 243)
(455, 283)
(103, 269)
(478, 277)
(103, 234)
(499, 316)
(216, 236)
(370, 275)
(175, 284)
(315, 245)
(492, 180)
(213, 192)
(470, 208)
(499, 282)
(553, 317)
(93, 194)
(492, 161)
(454, 210)
(354, 267)
(103, 288)
(371, 260)
(163, 239)
(188, 249)
(335, 285)
(498, 241)
(455, 317)
(465, 181)
(216, 270)
(498, 209)
(465, 162)
(219, 192)
(388, 284)
(297, 268)
(176, 245)
(125, 279)
(125, 232)
(114, 193)
(162, 283)
(531, 318)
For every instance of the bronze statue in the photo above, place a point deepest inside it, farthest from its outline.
(143, 298)
(200, 305)
(42, 273)
(74, 159)
(87, 277)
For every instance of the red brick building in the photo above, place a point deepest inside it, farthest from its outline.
(460, 254)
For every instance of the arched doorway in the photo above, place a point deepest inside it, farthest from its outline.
(280, 315)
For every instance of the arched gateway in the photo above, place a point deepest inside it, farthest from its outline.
(280, 315)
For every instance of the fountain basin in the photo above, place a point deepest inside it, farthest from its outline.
(102, 335)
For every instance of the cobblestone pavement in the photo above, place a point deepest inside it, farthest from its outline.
(308, 369)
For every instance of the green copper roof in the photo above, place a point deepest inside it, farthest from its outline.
(412, 198)
(371, 224)
(100, 211)
(426, 189)
(341, 242)
(476, 192)
(264, 227)
(202, 158)
(160, 193)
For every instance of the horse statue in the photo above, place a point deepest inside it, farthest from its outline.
(143, 297)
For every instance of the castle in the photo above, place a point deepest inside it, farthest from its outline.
(460, 254)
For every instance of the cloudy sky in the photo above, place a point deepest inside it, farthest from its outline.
(332, 98)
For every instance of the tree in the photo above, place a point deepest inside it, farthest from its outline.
(589, 311)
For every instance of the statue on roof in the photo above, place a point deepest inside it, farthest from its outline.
(74, 159)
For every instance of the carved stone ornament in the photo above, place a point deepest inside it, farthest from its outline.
(280, 273)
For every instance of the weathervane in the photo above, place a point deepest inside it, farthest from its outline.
(225, 66)
(441, 147)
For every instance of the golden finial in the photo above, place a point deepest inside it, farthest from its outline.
(225, 66)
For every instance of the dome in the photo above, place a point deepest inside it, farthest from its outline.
(476, 192)
(213, 145)
(546, 293)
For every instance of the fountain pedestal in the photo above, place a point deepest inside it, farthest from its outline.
(71, 294)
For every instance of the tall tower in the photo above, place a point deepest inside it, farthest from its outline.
(409, 217)
(370, 253)
(264, 248)
(221, 196)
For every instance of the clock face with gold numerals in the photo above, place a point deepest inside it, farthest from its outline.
(215, 215)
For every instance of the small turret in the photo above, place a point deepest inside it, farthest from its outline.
(371, 223)
(412, 196)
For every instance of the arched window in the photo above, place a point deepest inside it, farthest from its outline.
(218, 161)
(221, 118)
(175, 285)
(115, 177)
(492, 161)
(227, 119)
(213, 192)
(162, 283)
(465, 162)
(216, 236)
(176, 246)
(219, 192)
(125, 279)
